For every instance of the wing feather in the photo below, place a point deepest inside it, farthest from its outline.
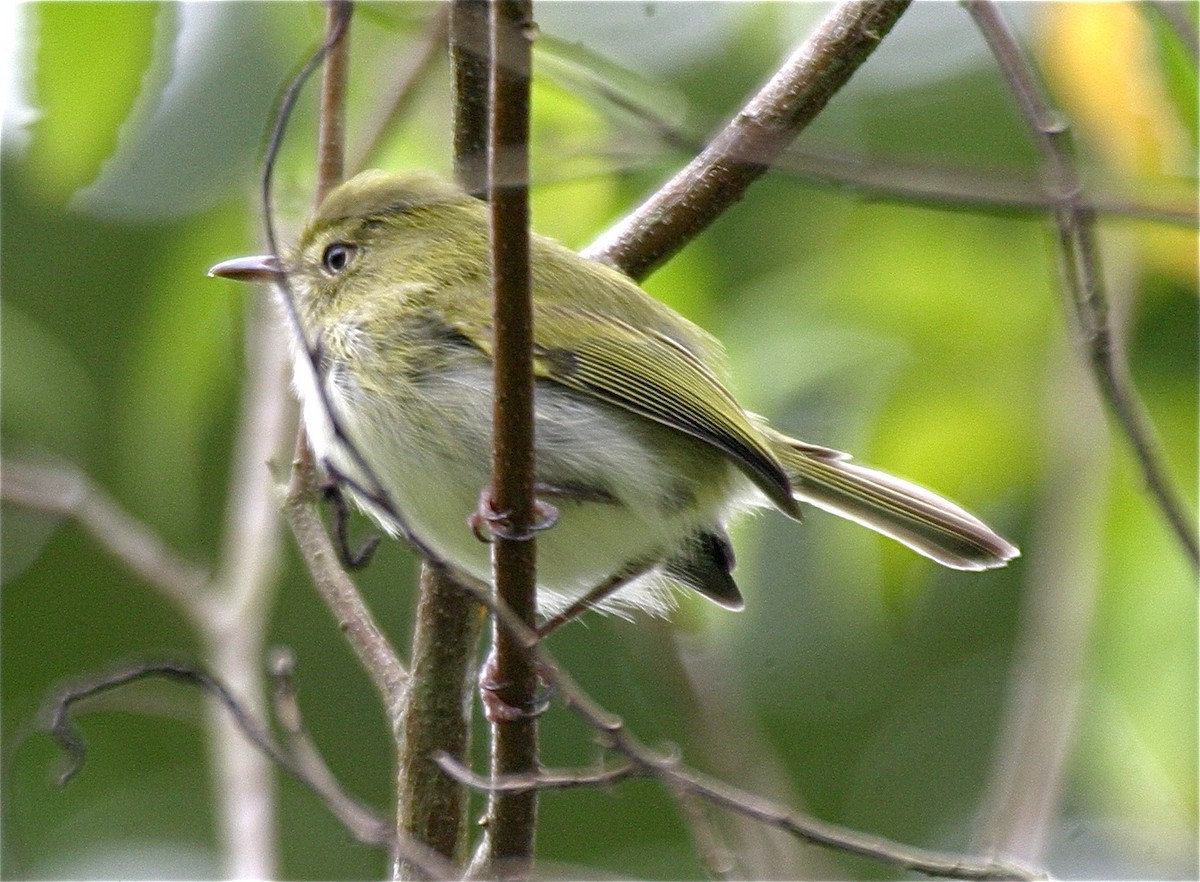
(649, 374)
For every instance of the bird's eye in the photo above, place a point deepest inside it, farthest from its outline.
(336, 257)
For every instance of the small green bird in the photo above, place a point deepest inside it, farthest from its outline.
(640, 447)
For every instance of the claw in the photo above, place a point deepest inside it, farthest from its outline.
(486, 522)
(351, 559)
(495, 708)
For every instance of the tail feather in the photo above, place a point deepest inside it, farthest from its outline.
(919, 518)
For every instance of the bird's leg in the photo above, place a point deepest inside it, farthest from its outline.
(607, 588)
(352, 560)
(486, 522)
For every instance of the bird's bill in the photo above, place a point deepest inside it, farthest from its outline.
(260, 268)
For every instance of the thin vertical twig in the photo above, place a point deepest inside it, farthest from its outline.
(512, 817)
(470, 55)
(331, 136)
(240, 602)
(436, 717)
(1082, 274)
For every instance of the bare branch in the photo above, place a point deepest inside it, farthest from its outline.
(58, 722)
(762, 130)
(512, 817)
(63, 489)
(668, 769)
(469, 53)
(1082, 274)
(430, 806)
(366, 826)
(818, 832)
(374, 652)
(331, 137)
(530, 781)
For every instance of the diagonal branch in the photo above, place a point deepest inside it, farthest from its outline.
(366, 827)
(65, 490)
(679, 779)
(1082, 274)
(760, 132)
(375, 653)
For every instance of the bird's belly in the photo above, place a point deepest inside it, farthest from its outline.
(588, 541)
(620, 492)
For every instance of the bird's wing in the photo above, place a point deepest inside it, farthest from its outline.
(647, 373)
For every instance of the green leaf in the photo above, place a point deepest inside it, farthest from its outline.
(91, 60)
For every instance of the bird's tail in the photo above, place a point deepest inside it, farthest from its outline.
(922, 520)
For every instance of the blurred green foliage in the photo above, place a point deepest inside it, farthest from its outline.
(861, 683)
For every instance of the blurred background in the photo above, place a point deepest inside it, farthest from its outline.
(1050, 706)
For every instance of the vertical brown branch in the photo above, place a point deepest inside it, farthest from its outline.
(331, 138)
(470, 54)
(512, 816)
(1082, 275)
(433, 806)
